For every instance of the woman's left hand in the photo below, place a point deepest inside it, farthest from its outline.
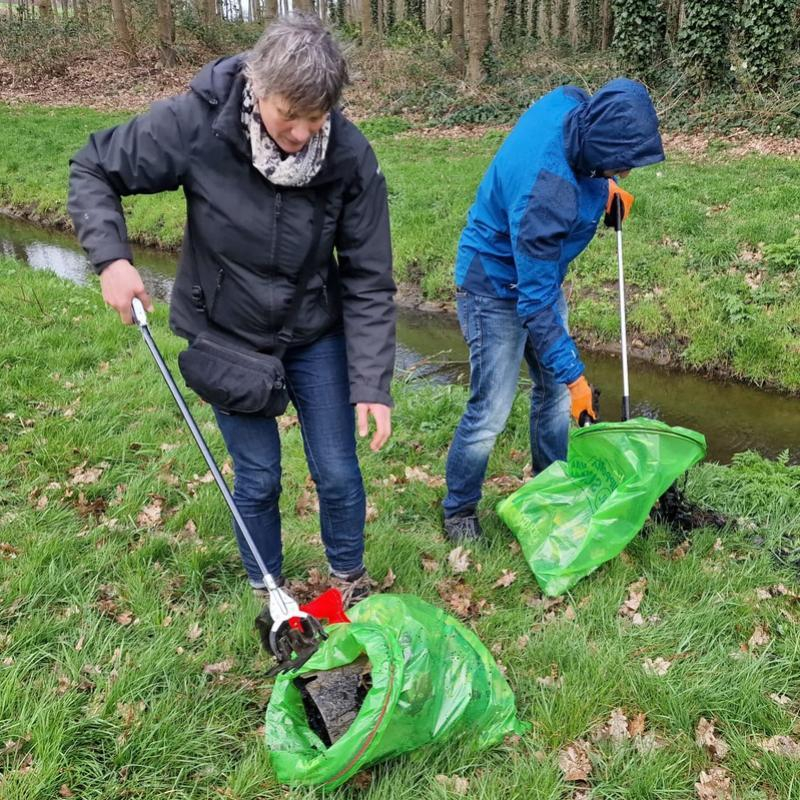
(383, 423)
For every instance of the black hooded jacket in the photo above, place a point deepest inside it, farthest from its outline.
(246, 239)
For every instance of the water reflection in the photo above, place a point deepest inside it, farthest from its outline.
(733, 417)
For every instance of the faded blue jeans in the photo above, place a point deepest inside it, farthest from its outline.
(497, 344)
(319, 388)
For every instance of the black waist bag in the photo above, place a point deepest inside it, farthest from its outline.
(234, 379)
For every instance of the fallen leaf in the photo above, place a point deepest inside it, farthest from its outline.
(42, 502)
(219, 667)
(706, 737)
(636, 725)
(618, 726)
(522, 641)
(150, 515)
(657, 667)
(454, 783)
(81, 476)
(429, 563)
(505, 580)
(630, 605)
(574, 761)
(79, 644)
(389, 580)
(760, 638)
(420, 475)
(64, 791)
(195, 632)
(714, 785)
(361, 780)
(458, 559)
(780, 699)
(372, 514)
(569, 614)
(287, 421)
(781, 746)
(8, 551)
(307, 503)
(681, 550)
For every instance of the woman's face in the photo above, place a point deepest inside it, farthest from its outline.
(290, 131)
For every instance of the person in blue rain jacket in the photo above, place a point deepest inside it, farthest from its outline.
(537, 208)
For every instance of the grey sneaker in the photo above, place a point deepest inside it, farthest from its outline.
(354, 587)
(262, 593)
(464, 528)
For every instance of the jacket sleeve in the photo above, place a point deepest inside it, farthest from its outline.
(364, 251)
(540, 223)
(143, 156)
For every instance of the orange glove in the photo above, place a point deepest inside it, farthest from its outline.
(581, 395)
(611, 207)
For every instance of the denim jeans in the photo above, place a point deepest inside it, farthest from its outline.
(319, 389)
(497, 344)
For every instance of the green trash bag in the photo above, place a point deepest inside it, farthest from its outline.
(575, 515)
(432, 681)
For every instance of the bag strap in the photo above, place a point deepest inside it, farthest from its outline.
(310, 265)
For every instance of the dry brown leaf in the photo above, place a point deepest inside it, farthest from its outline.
(8, 551)
(760, 638)
(569, 614)
(706, 737)
(125, 618)
(505, 580)
(287, 421)
(219, 668)
(618, 726)
(81, 476)
(150, 515)
(429, 563)
(714, 785)
(64, 791)
(420, 475)
(455, 783)
(458, 559)
(307, 503)
(657, 667)
(522, 641)
(630, 606)
(681, 550)
(361, 780)
(780, 699)
(372, 512)
(574, 761)
(41, 503)
(195, 632)
(637, 725)
(781, 746)
(458, 596)
(389, 580)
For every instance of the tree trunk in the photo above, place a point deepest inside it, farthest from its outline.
(399, 10)
(303, 5)
(270, 10)
(543, 21)
(166, 33)
(478, 40)
(606, 25)
(83, 12)
(574, 24)
(121, 30)
(674, 14)
(45, 9)
(498, 13)
(457, 35)
(366, 19)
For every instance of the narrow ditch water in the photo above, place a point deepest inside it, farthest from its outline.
(733, 416)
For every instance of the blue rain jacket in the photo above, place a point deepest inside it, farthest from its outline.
(539, 203)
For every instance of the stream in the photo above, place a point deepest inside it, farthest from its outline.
(733, 416)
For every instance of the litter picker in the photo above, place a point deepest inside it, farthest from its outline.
(290, 632)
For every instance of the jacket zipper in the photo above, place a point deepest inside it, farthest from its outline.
(276, 215)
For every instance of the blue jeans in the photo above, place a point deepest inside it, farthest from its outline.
(497, 344)
(319, 388)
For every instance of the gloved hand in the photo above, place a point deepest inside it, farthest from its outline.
(614, 189)
(581, 395)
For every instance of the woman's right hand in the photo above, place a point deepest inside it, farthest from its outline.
(121, 282)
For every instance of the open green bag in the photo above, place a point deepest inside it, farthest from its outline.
(578, 514)
(432, 681)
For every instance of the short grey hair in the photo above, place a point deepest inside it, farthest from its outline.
(298, 58)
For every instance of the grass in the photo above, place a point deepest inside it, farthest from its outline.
(711, 253)
(107, 624)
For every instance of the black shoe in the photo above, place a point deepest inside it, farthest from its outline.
(463, 528)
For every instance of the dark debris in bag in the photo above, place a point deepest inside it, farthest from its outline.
(332, 698)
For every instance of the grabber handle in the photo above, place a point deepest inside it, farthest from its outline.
(138, 313)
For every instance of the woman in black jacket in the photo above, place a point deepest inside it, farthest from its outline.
(274, 178)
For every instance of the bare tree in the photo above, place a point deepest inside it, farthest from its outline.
(366, 19)
(166, 33)
(478, 40)
(270, 10)
(606, 25)
(122, 30)
(498, 13)
(457, 35)
(45, 9)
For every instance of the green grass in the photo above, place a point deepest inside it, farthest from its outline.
(711, 251)
(103, 690)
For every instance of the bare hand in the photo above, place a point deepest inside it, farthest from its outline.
(121, 282)
(383, 423)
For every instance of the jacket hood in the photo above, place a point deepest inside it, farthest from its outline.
(213, 82)
(615, 129)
